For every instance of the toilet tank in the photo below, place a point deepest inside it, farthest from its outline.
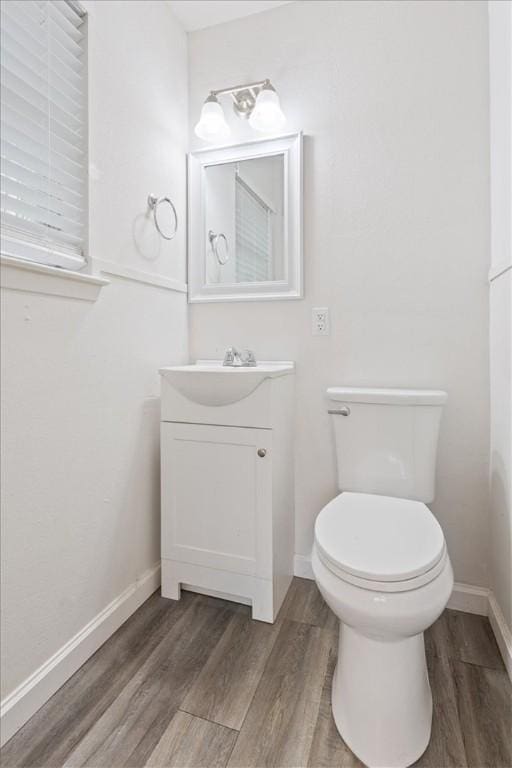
(386, 440)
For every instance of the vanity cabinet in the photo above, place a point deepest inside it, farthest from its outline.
(227, 495)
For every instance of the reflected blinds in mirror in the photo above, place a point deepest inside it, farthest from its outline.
(253, 228)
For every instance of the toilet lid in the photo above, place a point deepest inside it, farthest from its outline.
(379, 538)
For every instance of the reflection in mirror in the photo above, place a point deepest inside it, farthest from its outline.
(244, 221)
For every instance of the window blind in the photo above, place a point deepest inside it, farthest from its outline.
(43, 131)
(253, 235)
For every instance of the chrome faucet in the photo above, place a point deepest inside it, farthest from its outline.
(239, 359)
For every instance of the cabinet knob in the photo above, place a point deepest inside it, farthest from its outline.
(262, 453)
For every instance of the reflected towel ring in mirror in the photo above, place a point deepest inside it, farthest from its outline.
(154, 202)
(214, 243)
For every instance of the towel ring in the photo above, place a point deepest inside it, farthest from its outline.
(154, 202)
(214, 243)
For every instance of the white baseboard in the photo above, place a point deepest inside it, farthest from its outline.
(28, 697)
(501, 632)
(469, 599)
(302, 567)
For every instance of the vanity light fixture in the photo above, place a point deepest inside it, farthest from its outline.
(212, 125)
(267, 115)
(258, 102)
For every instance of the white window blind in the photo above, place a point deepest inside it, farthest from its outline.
(253, 226)
(43, 131)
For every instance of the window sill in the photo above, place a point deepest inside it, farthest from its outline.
(17, 275)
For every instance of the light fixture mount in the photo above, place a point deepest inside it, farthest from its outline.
(243, 103)
(244, 96)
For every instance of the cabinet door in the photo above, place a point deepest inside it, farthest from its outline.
(217, 496)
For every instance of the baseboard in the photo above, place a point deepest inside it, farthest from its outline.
(302, 567)
(501, 632)
(469, 599)
(28, 697)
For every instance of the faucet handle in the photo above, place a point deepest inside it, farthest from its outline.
(249, 358)
(229, 356)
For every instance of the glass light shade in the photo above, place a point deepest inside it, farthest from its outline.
(212, 125)
(267, 115)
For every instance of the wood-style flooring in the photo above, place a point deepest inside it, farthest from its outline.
(198, 684)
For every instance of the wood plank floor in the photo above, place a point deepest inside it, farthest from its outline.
(198, 684)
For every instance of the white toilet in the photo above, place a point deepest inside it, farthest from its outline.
(381, 564)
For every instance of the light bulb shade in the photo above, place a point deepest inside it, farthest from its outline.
(212, 125)
(267, 115)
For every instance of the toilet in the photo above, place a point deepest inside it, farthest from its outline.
(381, 563)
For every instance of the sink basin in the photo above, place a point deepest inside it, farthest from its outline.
(208, 382)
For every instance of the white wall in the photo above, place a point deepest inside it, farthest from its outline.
(393, 100)
(500, 36)
(80, 385)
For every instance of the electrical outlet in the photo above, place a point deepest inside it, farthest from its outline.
(320, 321)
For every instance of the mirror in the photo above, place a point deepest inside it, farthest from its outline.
(245, 222)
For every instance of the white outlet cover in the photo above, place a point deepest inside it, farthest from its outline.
(320, 321)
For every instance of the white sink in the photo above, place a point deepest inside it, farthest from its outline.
(208, 382)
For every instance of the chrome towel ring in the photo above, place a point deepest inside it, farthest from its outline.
(214, 243)
(154, 202)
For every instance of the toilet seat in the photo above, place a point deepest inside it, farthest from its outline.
(380, 543)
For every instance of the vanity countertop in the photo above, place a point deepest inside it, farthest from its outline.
(267, 368)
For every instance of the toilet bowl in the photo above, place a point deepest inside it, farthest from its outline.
(382, 566)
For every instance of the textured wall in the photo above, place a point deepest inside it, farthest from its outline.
(500, 54)
(393, 100)
(80, 472)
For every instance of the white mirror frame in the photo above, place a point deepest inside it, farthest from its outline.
(289, 288)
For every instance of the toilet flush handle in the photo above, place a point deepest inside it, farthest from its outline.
(343, 411)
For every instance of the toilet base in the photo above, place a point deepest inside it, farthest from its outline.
(381, 698)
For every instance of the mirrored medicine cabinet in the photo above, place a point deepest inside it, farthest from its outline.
(245, 221)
